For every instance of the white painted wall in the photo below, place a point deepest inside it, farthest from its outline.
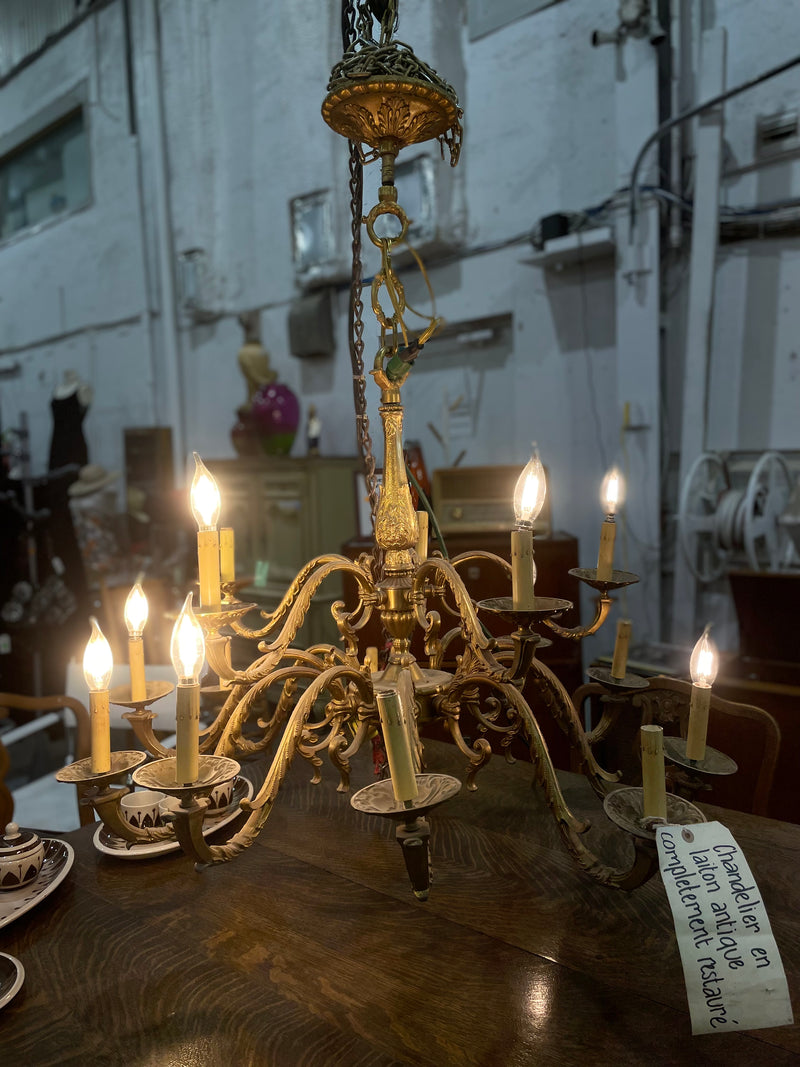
(72, 294)
(550, 124)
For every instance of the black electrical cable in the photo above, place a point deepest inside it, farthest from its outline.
(690, 113)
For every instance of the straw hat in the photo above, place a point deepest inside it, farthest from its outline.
(91, 479)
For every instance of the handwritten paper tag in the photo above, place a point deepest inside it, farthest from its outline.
(733, 971)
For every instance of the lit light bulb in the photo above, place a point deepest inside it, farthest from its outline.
(136, 611)
(98, 662)
(204, 496)
(612, 491)
(529, 492)
(187, 647)
(704, 662)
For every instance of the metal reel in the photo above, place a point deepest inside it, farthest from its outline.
(706, 484)
(765, 540)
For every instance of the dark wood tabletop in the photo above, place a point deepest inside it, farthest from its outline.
(310, 949)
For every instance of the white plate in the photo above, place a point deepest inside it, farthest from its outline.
(58, 858)
(111, 845)
(12, 975)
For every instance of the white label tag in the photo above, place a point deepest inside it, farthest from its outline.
(733, 971)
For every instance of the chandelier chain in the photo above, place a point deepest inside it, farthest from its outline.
(350, 31)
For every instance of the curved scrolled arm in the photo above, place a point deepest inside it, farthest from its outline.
(577, 632)
(305, 584)
(350, 622)
(645, 861)
(298, 610)
(188, 820)
(467, 557)
(141, 722)
(218, 654)
(557, 701)
(441, 568)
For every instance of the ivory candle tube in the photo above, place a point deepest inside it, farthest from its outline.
(405, 690)
(208, 568)
(605, 557)
(698, 722)
(227, 569)
(101, 731)
(655, 790)
(619, 664)
(523, 568)
(136, 661)
(398, 750)
(187, 742)
(422, 536)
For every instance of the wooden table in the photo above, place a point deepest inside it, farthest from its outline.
(310, 949)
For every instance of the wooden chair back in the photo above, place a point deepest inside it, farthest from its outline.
(82, 743)
(748, 734)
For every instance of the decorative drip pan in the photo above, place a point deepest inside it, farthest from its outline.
(160, 775)
(379, 798)
(604, 676)
(544, 607)
(154, 690)
(624, 807)
(715, 762)
(618, 579)
(81, 772)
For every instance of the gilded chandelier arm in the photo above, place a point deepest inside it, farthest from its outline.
(299, 665)
(576, 633)
(141, 722)
(442, 568)
(302, 598)
(468, 557)
(218, 654)
(645, 861)
(311, 576)
(188, 820)
(556, 700)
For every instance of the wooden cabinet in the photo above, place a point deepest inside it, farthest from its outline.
(284, 512)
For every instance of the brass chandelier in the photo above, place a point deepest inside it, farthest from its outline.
(328, 700)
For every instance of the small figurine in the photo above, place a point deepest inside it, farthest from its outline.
(313, 431)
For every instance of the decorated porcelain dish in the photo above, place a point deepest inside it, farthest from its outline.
(58, 858)
(111, 845)
(12, 975)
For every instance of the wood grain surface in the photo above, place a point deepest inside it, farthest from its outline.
(310, 949)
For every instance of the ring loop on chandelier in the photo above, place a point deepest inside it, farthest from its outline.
(386, 208)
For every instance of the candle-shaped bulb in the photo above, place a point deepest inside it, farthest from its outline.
(136, 610)
(98, 662)
(187, 648)
(612, 491)
(704, 662)
(204, 496)
(529, 492)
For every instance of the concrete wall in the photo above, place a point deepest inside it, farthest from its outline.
(72, 293)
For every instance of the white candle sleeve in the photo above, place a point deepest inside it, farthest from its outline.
(398, 750)
(655, 791)
(523, 569)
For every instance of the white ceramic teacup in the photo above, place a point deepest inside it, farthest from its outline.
(221, 796)
(141, 809)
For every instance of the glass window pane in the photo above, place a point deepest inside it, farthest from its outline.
(47, 176)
